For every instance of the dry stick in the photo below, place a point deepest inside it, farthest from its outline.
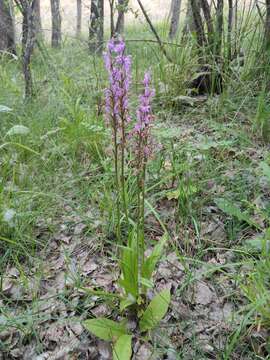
(154, 32)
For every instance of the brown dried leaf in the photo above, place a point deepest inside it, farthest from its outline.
(203, 295)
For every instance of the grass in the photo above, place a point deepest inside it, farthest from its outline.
(57, 180)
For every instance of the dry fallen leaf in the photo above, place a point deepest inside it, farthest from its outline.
(203, 295)
(145, 352)
(105, 350)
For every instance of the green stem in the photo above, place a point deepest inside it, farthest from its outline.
(140, 217)
(123, 170)
(118, 229)
(142, 212)
(138, 228)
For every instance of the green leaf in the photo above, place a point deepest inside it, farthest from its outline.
(122, 349)
(4, 108)
(173, 194)
(233, 210)
(19, 146)
(266, 170)
(258, 244)
(18, 130)
(147, 283)
(127, 302)
(156, 215)
(210, 144)
(105, 329)
(150, 263)
(184, 100)
(129, 267)
(155, 311)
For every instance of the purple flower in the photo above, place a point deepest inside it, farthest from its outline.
(118, 66)
(144, 112)
(141, 130)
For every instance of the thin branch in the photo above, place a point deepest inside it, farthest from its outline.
(154, 32)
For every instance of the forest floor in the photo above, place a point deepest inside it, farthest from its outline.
(207, 188)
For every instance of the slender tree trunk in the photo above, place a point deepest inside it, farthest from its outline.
(56, 23)
(219, 28)
(229, 35)
(96, 29)
(24, 29)
(37, 19)
(111, 3)
(171, 10)
(7, 32)
(28, 51)
(119, 28)
(208, 18)
(176, 9)
(189, 20)
(267, 25)
(198, 23)
(79, 18)
(27, 9)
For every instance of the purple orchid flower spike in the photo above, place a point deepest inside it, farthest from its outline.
(118, 66)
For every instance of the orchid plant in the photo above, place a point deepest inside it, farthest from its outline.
(136, 269)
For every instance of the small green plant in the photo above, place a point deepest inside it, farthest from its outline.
(136, 269)
(257, 288)
(262, 122)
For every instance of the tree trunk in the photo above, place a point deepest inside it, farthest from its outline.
(56, 23)
(24, 29)
(7, 32)
(267, 25)
(176, 8)
(122, 4)
(27, 9)
(37, 19)
(189, 20)
(208, 18)
(79, 18)
(111, 2)
(28, 51)
(230, 25)
(198, 23)
(96, 29)
(219, 27)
